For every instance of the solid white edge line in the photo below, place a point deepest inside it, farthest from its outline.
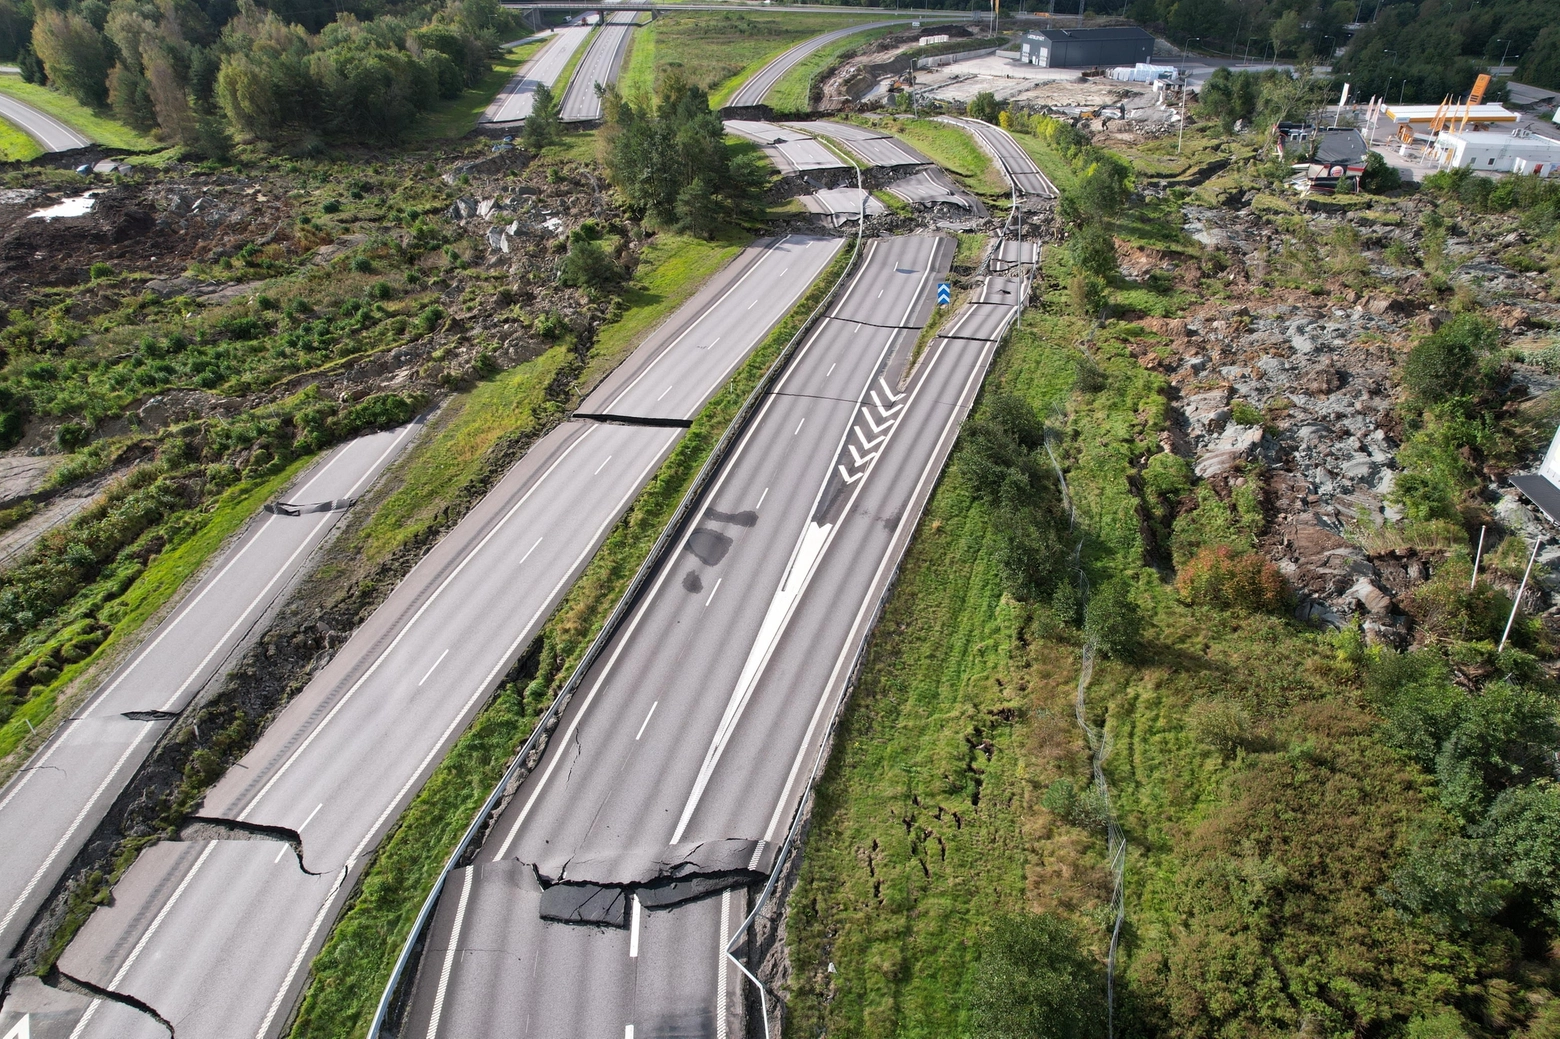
(449, 955)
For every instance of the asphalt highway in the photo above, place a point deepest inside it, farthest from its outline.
(514, 102)
(932, 186)
(215, 935)
(692, 742)
(50, 808)
(42, 127)
(872, 147)
(790, 150)
(843, 204)
(601, 64)
(1017, 166)
(763, 81)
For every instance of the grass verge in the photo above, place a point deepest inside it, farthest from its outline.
(161, 580)
(955, 151)
(457, 117)
(100, 128)
(791, 94)
(351, 971)
(16, 145)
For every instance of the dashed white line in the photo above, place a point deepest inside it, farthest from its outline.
(831, 369)
(713, 591)
(761, 498)
(646, 722)
(799, 425)
(434, 668)
(602, 466)
(664, 393)
(633, 938)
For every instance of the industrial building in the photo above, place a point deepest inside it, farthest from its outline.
(1499, 151)
(1086, 48)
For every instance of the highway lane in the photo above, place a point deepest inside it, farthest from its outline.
(216, 934)
(872, 147)
(49, 132)
(790, 150)
(514, 102)
(842, 204)
(689, 742)
(759, 85)
(1017, 166)
(601, 64)
(931, 186)
(50, 808)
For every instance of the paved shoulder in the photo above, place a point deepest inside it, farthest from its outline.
(42, 127)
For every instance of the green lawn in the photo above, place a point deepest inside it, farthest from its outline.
(955, 151)
(716, 50)
(790, 94)
(456, 117)
(15, 145)
(101, 128)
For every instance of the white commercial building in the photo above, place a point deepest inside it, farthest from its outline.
(1510, 151)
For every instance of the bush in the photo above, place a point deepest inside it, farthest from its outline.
(1112, 621)
(1243, 413)
(1036, 979)
(100, 270)
(589, 267)
(1446, 365)
(1222, 578)
(72, 437)
(1379, 178)
(1446, 608)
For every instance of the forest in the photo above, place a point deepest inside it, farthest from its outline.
(206, 74)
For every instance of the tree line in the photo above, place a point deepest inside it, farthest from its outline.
(197, 73)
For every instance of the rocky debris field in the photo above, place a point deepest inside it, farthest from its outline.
(1295, 389)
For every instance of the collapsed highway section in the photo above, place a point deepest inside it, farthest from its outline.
(607, 888)
(213, 936)
(53, 804)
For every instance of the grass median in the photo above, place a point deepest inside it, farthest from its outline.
(351, 971)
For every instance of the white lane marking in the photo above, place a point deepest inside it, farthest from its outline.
(664, 393)
(880, 293)
(846, 653)
(805, 558)
(135, 953)
(867, 418)
(292, 971)
(449, 955)
(22, 1030)
(86, 809)
(424, 608)
(434, 668)
(867, 445)
(646, 722)
(753, 304)
(633, 933)
(639, 615)
(602, 466)
(720, 971)
(628, 1032)
(712, 592)
(761, 498)
(892, 396)
(799, 425)
(285, 848)
(831, 369)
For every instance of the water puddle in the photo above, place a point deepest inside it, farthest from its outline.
(79, 206)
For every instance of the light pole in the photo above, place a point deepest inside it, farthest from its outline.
(1505, 52)
(1245, 59)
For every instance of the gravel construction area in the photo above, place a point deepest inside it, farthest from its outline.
(1015, 81)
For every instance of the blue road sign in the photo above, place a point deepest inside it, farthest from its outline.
(944, 294)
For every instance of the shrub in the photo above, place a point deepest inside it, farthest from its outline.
(1445, 365)
(1446, 608)
(72, 437)
(1036, 979)
(1243, 413)
(588, 266)
(1379, 178)
(1112, 621)
(362, 265)
(1222, 578)
(100, 270)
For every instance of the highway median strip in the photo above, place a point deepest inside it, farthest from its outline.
(351, 971)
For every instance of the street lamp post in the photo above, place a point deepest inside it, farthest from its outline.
(1245, 59)
(1505, 52)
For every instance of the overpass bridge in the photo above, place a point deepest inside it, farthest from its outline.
(908, 14)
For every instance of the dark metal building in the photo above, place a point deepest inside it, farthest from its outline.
(1087, 48)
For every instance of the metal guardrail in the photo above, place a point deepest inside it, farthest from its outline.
(530, 752)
